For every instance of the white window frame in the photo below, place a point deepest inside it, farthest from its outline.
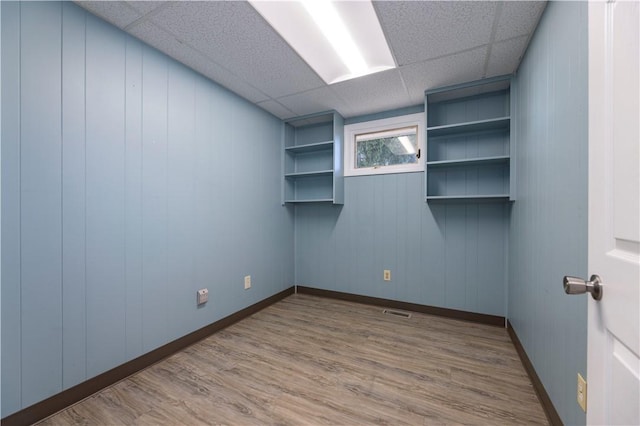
(385, 124)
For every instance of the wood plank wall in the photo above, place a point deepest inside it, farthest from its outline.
(548, 234)
(447, 255)
(128, 182)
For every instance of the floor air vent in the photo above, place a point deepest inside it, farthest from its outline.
(397, 313)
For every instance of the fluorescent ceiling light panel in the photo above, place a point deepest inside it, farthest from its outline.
(332, 27)
(340, 40)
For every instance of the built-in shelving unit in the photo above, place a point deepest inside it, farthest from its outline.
(312, 159)
(470, 142)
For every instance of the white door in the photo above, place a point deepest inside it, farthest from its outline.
(613, 357)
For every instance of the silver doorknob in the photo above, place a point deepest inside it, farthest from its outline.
(575, 285)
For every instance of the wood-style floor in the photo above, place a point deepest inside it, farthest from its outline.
(311, 360)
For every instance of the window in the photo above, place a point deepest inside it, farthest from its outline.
(390, 145)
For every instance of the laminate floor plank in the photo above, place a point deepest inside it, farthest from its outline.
(308, 360)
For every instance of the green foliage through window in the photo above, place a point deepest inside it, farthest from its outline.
(398, 146)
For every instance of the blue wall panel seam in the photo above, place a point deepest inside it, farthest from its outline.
(86, 317)
(142, 198)
(124, 193)
(20, 191)
(166, 194)
(62, 281)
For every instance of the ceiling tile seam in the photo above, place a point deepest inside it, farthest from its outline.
(404, 84)
(329, 87)
(276, 101)
(206, 57)
(145, 18)
(527, 35)
(494, 30)
(302, 92)
(436, 58)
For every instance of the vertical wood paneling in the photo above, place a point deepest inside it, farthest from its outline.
(205, 238)
(548, 232)
(105, 165)
(154, 199)
(472, 223)
(455, 256)
(182, 288)
(240, 243)
(223, 276)
(343, 241)
(41, 210)
(387, 252)
(411, 237)
(266, 197)
(365, 275)
(74, 312)
(255, 228)
(126, 186)
(435, 251)
(401, 236)
(274, 260)
(11, 246)
(109, 222)
(492, 237)
(247, 258)
(433, 224)
(133, 197)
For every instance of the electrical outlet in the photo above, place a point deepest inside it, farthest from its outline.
(387, 274)
(247, 282)
(203, 296)
(582, 393)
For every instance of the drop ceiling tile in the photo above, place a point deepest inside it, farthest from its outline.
(234, 35)
(119, 13)
(518, 18)
(423, 30)
(454, 69)
(167, 43)
(316, 100)
(275, 108)
(225, 78)
(505, 56)
(435, 43)
(374, 93)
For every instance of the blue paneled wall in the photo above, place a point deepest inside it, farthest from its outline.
(440, 254)
(128, 182)
(548, 234)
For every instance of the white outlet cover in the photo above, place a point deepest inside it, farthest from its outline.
(203, 296)
(247, 282)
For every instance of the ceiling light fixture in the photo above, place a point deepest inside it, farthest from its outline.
(332, 27)
(340, 40)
